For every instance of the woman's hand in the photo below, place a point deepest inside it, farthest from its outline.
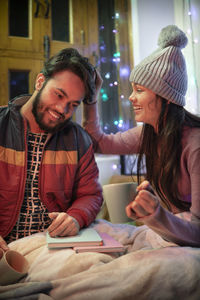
(144, 204)
(62, 225)
(98, 83)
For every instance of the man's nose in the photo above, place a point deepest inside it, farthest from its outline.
(62, 107)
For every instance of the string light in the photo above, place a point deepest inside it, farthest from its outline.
(115, 31)
(107, 76)
(114, 167)
(111, 81)
(124, 71)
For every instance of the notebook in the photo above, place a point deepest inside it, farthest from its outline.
(85, 237)
(109, 245)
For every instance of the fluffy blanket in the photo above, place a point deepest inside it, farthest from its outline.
(150, 268)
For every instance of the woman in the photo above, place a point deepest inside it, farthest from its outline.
(169, 140)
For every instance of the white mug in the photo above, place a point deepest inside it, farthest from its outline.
(13, 266)
(117, 196)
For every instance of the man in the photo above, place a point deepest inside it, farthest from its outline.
(48, 178)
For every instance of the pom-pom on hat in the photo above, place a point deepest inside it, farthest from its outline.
(164, 71)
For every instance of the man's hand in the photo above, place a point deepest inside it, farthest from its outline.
(144, 204)
(3, 244)
(62, 225)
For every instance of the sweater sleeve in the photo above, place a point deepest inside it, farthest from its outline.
(173, 228)
(120, 143)
(169, 226)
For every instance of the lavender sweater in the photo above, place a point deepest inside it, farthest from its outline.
(182, 231)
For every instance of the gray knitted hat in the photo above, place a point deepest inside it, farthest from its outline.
(164, 71)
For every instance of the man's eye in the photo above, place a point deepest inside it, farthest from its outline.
(75, 104)
(59, 95)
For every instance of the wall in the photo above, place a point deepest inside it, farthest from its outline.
(148, 18)
(108, 165)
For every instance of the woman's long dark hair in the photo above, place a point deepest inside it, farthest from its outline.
(162, 152)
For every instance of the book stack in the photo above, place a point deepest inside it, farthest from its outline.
(88, 239)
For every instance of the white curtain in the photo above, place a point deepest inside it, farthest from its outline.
(187, 17)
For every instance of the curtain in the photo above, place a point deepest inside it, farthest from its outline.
(187, 17)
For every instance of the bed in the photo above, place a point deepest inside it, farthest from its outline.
(150, 269)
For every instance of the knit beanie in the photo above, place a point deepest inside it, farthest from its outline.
(164, 71)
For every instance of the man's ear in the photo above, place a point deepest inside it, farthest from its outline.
(40, 79)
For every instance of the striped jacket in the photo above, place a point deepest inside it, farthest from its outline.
(68, 178)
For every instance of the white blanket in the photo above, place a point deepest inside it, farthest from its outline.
(151, 268)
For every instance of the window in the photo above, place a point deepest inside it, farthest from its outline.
(60, 20)
(19, 83)
(18, 18)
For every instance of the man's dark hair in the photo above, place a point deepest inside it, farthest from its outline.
(70, 59)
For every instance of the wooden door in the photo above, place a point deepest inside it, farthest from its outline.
(28, 36)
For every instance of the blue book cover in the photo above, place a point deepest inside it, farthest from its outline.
(85, 237)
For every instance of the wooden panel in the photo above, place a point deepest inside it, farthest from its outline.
(18, 53)
(18, 64)
(33, 43)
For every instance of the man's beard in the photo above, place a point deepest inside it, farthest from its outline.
(39, 116)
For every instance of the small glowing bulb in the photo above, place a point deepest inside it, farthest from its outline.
(107, 76)
(114, 167)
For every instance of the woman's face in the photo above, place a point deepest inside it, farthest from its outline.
(146, 105)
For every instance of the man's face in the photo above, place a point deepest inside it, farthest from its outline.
(57, 100)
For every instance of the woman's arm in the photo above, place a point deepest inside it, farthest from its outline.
(120, 143)
(184, 232)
